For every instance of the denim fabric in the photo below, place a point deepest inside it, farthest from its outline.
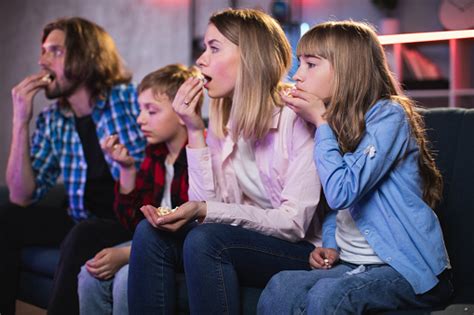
(100, 297)
(84, 240)
(347, 289)
(380, 184)
(155, 258)
(288, 173)
(219, 258)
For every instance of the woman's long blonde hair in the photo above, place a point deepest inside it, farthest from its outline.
(361, 78)
(265, 57)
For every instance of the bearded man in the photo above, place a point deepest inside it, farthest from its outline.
(81, 69)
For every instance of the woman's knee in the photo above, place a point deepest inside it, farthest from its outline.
(143, 231)
(149, 242)
(210, 233)
(204, 239)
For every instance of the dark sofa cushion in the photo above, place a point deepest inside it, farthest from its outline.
(451, 132)
(41, 260)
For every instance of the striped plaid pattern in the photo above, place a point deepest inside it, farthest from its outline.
(150, 184)
(56, 148)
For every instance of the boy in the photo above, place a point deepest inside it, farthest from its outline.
(161, 181)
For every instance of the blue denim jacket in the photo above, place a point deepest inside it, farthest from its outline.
(381, 186)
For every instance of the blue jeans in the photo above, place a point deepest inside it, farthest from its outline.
(99, 297)
(347, 289)
(155, 259)
(218, 258)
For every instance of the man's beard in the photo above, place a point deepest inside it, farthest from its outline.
(61, 91)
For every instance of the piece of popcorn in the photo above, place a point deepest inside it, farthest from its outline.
(165, 210)
(201, 78)
(287, 92)
(47, 78)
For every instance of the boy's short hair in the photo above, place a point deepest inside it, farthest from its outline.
(168, 79)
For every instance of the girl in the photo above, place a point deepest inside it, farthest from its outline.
(254, 184)
(378, 176)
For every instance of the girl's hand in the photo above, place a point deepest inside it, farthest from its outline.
(108, 261)
(117, 152)
(185, 102)
(308, 106)
(172, 222)
(323, 258)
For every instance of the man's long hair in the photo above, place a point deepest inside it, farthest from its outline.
(92, 58)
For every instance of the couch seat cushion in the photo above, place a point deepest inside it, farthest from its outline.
(40, 259)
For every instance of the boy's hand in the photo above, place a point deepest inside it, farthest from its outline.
(117, 151)
(185, 102)
(323, 258)
(108, 261)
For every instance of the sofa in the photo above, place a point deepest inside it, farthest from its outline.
(451, 132)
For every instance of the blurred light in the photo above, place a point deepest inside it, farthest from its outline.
(281, 11)
(424, 37)
(304, 27)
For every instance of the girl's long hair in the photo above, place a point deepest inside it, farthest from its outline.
(361, 78)
(265, 57)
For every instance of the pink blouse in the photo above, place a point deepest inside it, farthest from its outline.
(284, 159)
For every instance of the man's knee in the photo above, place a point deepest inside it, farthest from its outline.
(75, 236)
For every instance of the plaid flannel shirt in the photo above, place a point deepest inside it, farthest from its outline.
(56, 148)
(149, 185)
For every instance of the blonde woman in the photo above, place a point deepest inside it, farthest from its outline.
(253, 181)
